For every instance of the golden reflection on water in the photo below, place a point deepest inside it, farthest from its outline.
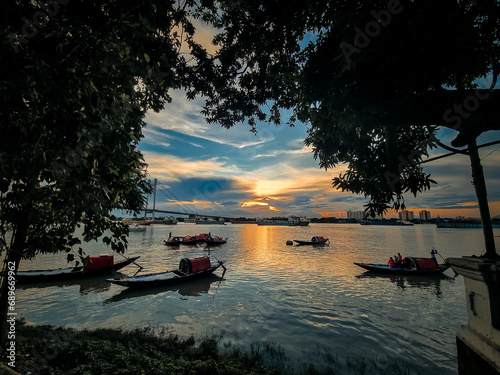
(280, 292)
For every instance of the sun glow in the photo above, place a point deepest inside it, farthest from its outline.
(259, 204)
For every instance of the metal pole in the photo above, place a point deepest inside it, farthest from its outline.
(146, 208)
(154, 197)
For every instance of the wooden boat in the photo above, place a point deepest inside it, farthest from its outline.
(189, 268)
(410, 266)
(96, 265)
(316, 240)
(215, 241)
(187, 240)
(178, 240)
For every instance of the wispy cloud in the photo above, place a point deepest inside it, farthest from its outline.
(236, 172)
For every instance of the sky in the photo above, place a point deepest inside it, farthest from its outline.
(236, 173)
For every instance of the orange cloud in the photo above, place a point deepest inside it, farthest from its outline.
(337, 214)
(259, 204)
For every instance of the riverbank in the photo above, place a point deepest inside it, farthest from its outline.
(56, 350)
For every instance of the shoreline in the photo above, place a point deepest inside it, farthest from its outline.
(47, 349)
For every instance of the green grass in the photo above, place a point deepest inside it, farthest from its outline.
(56, 350)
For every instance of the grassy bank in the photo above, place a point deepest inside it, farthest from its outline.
(56, 350)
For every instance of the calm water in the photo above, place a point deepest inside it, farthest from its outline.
(308, 300)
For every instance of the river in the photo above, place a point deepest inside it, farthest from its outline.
(312, 302)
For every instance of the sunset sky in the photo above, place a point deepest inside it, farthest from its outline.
(234, 172)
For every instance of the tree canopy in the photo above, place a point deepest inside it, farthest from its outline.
(373, 80)
(77, 78)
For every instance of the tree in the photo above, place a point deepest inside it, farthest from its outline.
(77, 78)
(374, 80)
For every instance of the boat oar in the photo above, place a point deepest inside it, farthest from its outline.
(141, 267)
(222, 265)
(444, 260)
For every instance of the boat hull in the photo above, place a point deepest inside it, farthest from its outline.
(322, 242)
(391, 223)
(215, 243)
(462, 225)
(282, 223)
(63, 274)
(163, 278)
(386, 269)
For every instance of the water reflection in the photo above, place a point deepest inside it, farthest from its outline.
(432, 282)
(299, 297)
(192, 288)
(95, 284)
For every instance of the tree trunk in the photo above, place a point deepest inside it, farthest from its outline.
(12, 258)
(482, 200)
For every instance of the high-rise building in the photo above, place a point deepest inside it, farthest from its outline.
(406, 215)
(358, 215)
(424, 215)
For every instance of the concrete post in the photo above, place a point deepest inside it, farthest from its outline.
(478, 344)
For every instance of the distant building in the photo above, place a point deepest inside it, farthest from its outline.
(361, 215)
(406, 215)
(358, 215)
(424, 215)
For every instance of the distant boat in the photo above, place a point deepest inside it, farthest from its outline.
(196, 219)
(96, 265)
(189, 269)
(463, 224)
(190, 240)
(290, 221)
(166, 220)
(136, 228)
(316, 240)
(138, 222)
(210, 220)
(244, 222)
(385, 222)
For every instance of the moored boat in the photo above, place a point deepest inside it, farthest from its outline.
(316, 240)
(96, 265)
(464, 224)
(210, 220)
(186, 240)
(215, 240)
(189, 268)
(243, 221)
(386, 222)
(409, 266)
(179, 240)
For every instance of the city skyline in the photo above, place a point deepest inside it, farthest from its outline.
(233, 172)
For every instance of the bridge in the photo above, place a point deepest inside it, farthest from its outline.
(172, 205)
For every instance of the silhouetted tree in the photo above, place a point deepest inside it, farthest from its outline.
(374, 80)
(76, 80)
